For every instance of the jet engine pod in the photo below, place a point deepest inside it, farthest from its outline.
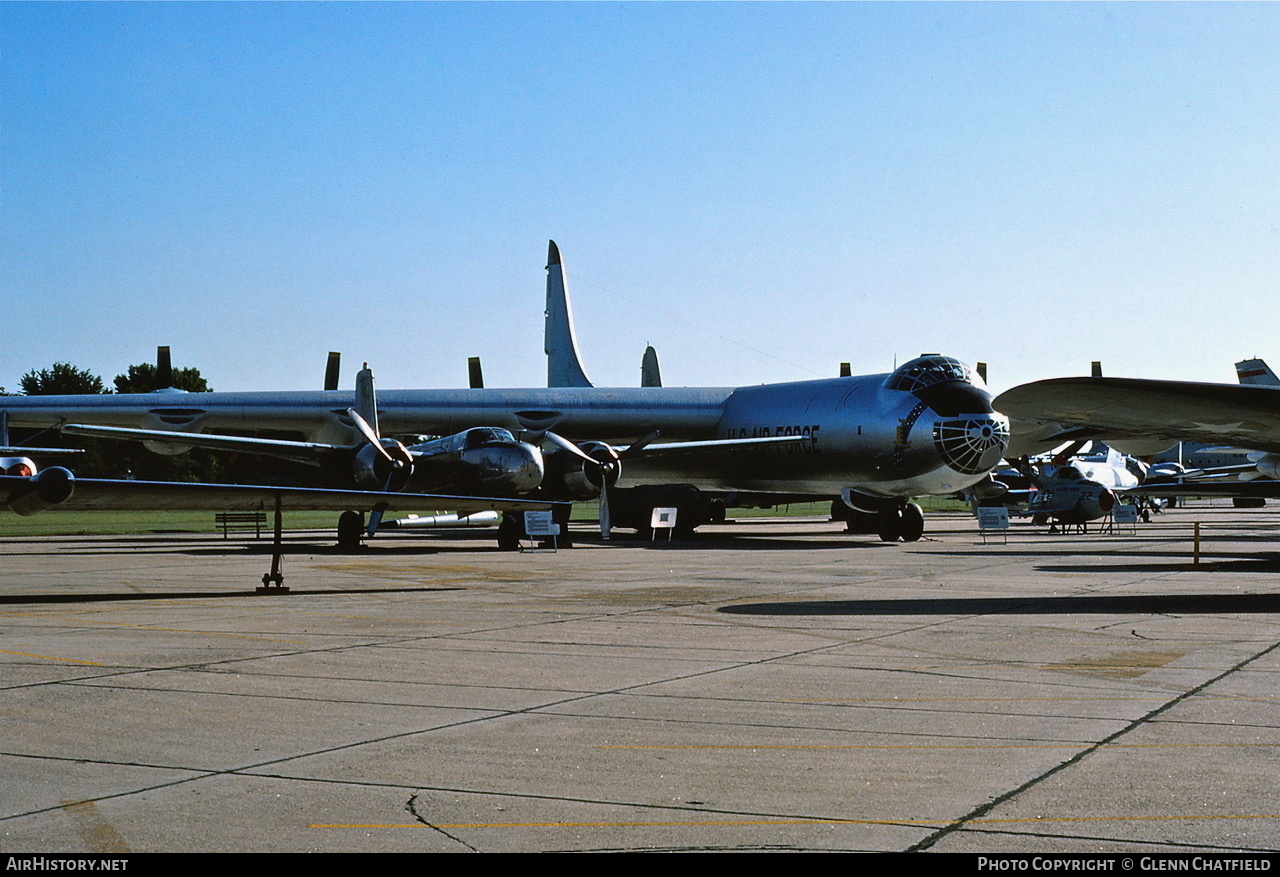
(583, 480)
(990, 489)
(1268, 465)
(388, 469)
(49, 487)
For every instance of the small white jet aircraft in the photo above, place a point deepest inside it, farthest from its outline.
(874, 441)
(1077, 490)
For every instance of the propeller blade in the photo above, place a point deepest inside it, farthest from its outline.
(375, 519)
(606, 522)
(638, 446)
(375, 516)
(565, 445)
(369, 434)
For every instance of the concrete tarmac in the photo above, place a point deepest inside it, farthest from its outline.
(767, 685)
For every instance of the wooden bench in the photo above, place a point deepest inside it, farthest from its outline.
(246, 521)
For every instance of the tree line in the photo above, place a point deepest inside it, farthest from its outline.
(65, 379)
(106, 458)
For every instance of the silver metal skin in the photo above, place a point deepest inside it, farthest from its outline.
(926, 428)
(484, 461)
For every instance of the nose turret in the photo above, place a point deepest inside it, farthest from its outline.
(968, 434)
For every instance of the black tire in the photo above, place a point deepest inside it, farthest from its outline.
(912, 522)
(350, 531)
(509, 533)
(889, 525)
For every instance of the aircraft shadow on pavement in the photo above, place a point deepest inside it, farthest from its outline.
(1093, 604)
(834, 540)
(1182, 554)
(211, 594)
(1269, 563)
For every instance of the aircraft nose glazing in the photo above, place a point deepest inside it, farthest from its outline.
(971, 444)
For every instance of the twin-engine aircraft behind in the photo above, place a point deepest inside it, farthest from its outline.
(874, 441)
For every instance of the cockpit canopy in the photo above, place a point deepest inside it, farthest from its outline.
(1069, 472)
(925, 371)
(488, 435)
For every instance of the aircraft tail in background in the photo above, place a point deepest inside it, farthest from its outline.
(1255, 371)
(564, 367)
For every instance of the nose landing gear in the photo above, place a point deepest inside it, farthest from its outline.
(904, 522)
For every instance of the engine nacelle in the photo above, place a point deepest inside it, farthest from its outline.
(172, 420)
(1269, 465)
(49, 487)
(372, 471)
(23, 467)
(580, 479)
(989, 489)
(1168, 470)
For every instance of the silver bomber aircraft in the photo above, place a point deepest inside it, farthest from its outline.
(875, 441)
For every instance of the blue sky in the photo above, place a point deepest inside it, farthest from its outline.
(759, 190)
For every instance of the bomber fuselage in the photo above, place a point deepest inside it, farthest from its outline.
(924, 428)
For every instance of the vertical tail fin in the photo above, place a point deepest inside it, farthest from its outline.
(332, 367)
(366, 398)
(164, 368)
(564, 368)
(1255, 371)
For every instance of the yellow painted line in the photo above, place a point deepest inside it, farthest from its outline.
(51, 658)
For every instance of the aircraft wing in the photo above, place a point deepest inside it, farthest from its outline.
(303, 452)
(112, 494)
(1143, 411)
(1260, 487)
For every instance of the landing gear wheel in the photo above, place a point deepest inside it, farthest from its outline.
(350, 531)
(889, 524)
(508, 533)
(912, 522)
